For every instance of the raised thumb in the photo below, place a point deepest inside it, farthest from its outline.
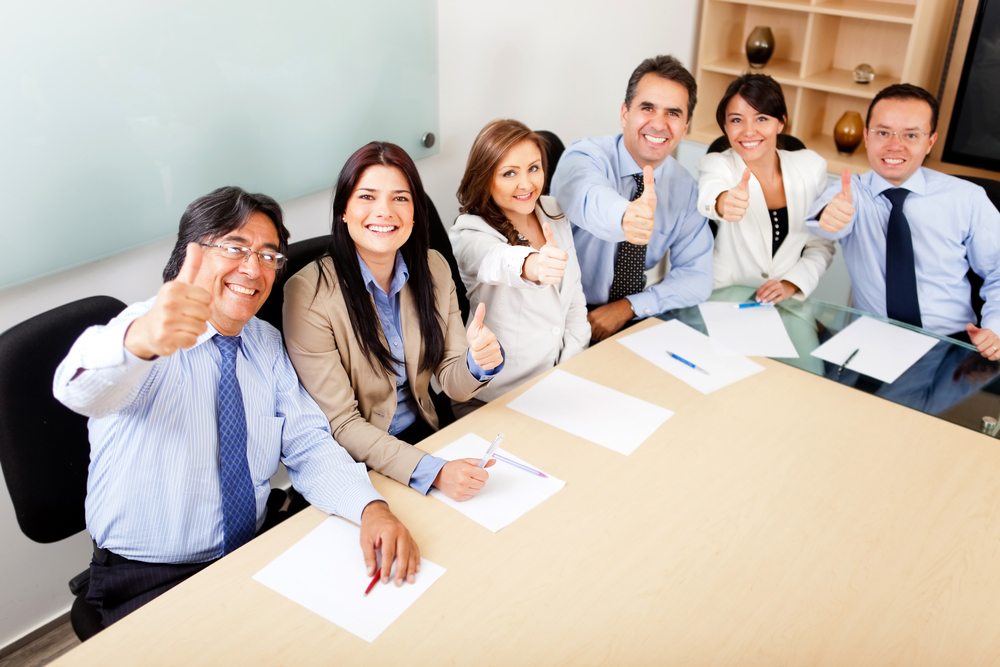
(745, 181)
(845, 182)
(550, 238)
(477, 321)
(648, 185)
(192, 264)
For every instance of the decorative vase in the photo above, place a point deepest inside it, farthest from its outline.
(848, 132)
(760, 46)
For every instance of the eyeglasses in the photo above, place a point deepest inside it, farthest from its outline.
(267, 258)
(885, 136)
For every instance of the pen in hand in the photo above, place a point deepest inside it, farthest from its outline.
(493, 448)
(378, 573)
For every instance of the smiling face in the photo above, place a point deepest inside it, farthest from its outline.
(379, 214)
(518, 180)
(752, 135)
(657, 120)
(238, 287)
(897, 160)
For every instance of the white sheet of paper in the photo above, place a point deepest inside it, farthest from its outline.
(724, 368)
(885, 351)
(753, 332)
(509, 493)
(592, 411)
(325, 573)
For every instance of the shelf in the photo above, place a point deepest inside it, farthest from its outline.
(786, 72)
(889, 12)
(823, 144)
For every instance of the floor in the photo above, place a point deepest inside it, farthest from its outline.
(43, 650)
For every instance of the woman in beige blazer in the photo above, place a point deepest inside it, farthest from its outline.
(368, 324)
(759, 195)
(515, 251)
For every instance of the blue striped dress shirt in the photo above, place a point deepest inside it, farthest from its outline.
(153, 485)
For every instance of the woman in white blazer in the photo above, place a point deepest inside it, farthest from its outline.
(759, 196)
(515, 251)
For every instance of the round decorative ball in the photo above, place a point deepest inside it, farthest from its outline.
(863, 73)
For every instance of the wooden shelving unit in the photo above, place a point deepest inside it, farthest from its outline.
(818, 44)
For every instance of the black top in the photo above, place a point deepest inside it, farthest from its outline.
(779, 225)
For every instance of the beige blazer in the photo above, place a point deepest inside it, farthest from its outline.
(358, 400)
(743, 249)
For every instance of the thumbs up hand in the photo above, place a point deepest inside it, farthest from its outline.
(732, 205)
(178, 316)
(548, 265)
(637, 223)
(840, 211)
(483, 344)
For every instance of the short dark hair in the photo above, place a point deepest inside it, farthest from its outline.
(668, 68)
(218, 213)
(760, 91)
(905, 91)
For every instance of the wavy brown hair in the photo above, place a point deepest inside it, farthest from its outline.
(475, 194)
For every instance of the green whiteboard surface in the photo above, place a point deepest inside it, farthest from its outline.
(115, 115)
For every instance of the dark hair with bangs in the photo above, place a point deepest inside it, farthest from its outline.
(343, 252)
(905, 91)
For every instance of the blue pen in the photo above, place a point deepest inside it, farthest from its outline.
(687, 363)
(498, 457)
(751, 305)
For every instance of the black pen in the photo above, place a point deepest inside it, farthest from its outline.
(844, 365)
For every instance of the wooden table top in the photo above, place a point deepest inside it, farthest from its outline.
(783, 520)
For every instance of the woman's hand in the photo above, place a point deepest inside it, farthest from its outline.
(483, 343)
(773, 291)
(548, 265)
(462, 479)
(733, 204)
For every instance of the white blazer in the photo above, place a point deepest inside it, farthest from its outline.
(743, 249)
(538, 325)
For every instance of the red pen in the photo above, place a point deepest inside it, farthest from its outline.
(378, 573)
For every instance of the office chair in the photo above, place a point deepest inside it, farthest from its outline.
(44, 446)
(300, 254)
(975, 280)
(554, 149)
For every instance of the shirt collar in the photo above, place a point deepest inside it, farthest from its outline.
(916, 183)
(628, 166)
(400, 274)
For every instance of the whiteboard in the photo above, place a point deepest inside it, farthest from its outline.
(115, 115)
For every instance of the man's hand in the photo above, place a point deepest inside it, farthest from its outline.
(606, 320)
(177, 318)
(548, 265)
(840, 210)
(637, 223)
(987, 342)
(482, 343)
(381, 529)
(732, 205)
(462, 479)
(774, 291)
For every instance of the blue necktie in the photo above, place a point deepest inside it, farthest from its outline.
(239, 505)
(901, 302)
(630, 262)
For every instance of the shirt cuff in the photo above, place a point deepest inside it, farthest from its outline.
(480, 373)
(355, 499)
(643, 304)
(425, 473)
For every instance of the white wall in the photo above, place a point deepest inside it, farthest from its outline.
(558, 65)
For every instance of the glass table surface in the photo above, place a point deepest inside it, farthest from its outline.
(952, 381)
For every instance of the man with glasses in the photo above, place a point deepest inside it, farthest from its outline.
(193, 401)
(911, 234)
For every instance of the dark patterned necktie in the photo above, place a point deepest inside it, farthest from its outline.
(630, 262)
(901, 302)
(239, 506)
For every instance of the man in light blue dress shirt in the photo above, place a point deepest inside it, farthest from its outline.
(157, 503)
(952, 223)
(596, 184)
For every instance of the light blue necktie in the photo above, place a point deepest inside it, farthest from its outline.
(239, 506)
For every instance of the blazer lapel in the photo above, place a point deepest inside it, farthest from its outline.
(755, 225)
(411, 334)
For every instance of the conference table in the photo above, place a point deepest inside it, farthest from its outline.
(786, 519)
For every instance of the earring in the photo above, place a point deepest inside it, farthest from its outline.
(344, 218)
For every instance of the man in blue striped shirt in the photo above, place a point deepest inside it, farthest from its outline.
(164, 498)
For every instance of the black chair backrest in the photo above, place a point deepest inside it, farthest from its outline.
(785, 141)
(439, 241)
(553, 152)
(993, 192)
(300, 254)
(44, 446)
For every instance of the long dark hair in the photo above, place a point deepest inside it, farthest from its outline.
(342, 251)
(475, 194)
(218, 213)
(761, 92)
